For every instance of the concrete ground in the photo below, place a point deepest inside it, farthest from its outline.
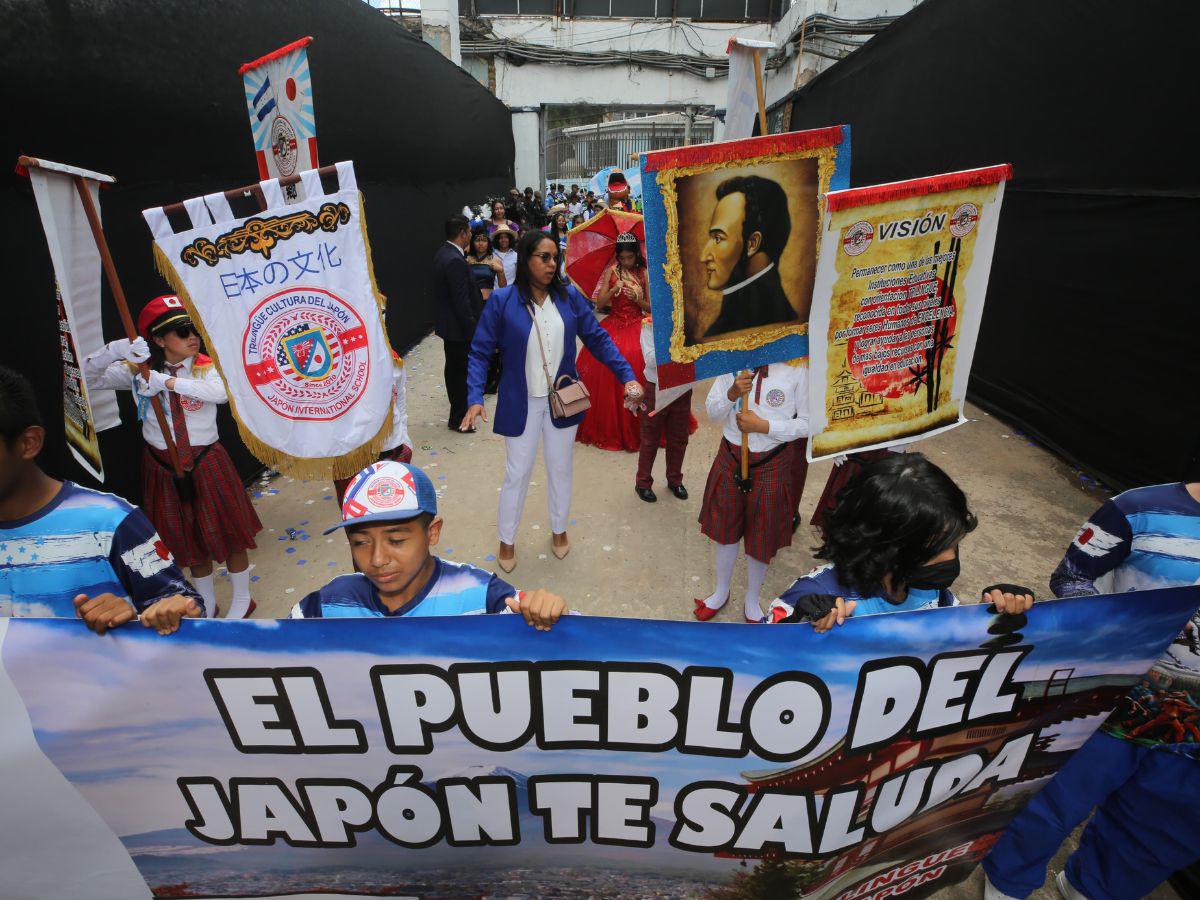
(630, 558)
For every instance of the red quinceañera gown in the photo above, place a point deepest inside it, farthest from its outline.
(608, 425)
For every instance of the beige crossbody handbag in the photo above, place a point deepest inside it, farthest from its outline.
(568, 399)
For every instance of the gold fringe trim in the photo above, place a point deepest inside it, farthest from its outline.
(324, 468)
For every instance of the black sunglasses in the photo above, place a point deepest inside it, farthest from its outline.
(546, 257)
(183, 332)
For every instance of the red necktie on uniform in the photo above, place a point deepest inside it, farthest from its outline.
(179, 425)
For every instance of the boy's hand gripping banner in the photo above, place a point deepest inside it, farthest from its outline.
(474, 756)
(76, 262)
(280, 100)
(899, 297)
(287, 305)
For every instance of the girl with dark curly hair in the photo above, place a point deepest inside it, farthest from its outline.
(891, 542)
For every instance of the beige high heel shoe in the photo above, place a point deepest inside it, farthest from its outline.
(507, 564)
(560, 551)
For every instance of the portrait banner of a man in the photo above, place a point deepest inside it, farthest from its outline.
(731, 240)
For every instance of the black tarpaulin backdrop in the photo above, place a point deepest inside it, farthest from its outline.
(1089, 335)
(149, 93)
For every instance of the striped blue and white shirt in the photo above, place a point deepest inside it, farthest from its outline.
(84, 542)
(1140, 540)
(454, 589)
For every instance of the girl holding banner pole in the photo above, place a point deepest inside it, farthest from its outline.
(206, 515)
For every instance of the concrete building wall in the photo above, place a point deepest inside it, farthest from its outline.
(527, 86)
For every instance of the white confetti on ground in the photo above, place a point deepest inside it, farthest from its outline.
(695, 578)
(541, 556)
(606, 548)
(290, 591)
(537, 527)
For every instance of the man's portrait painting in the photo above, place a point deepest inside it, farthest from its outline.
(740, 223)
(747, 248)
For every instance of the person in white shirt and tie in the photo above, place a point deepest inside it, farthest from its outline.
(774, 416)
(208, 516)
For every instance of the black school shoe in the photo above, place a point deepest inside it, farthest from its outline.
(646, 494)
(679, 491)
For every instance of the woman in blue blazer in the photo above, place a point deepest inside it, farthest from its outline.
(561, 314)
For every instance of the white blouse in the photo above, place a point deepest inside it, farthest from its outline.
(200, 389)
(549, 323)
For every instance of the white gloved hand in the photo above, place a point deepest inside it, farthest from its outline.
(136, 351)
(157, 384)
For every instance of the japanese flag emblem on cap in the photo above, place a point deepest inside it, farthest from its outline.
(387, 491)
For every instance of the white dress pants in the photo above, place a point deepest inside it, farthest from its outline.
(521, 454)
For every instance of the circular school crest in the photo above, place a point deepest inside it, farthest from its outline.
(964, 219)
(284, 146)
(384, 493)
(858, 238)
(190, 403)
(775, 398)
(305, 354)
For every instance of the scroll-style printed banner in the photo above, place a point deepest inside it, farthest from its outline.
(732, 231)
(476, 756)
(77, 299)
(901, 281)
(288, 307)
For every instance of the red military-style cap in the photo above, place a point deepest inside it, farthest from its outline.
(161, 313)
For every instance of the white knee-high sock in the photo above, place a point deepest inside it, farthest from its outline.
(727, 555)
(241, 594)
(208, 590)
(756, 574)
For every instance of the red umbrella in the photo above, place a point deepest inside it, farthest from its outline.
(591, 247)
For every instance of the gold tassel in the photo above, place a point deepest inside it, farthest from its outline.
(315, 468)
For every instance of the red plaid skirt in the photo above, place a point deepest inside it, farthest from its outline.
(762, 517)
(219, 520)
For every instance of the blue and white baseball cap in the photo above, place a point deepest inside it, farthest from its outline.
(387, 491)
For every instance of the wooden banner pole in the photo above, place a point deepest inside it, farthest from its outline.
(110, 272)
(762, 130)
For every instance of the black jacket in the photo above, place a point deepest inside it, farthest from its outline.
(457, 300)
(761, 302)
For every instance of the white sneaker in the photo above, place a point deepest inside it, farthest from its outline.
(1066, 890)
(991, 892)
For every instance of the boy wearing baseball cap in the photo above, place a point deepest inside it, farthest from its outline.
(391, 521)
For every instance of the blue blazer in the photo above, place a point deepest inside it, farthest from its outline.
(506, 324)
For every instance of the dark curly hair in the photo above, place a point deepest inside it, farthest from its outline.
(894, 516)
(766, 211)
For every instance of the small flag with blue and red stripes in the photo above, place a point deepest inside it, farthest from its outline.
(280, 102)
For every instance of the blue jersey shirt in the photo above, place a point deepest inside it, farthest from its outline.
(84, 542)
(824, 580)
(454, 589)
(1140, 540)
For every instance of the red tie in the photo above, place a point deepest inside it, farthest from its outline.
(179, 425)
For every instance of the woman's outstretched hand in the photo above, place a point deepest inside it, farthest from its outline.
(475, 411)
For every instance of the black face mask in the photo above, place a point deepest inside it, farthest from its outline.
(935, 576)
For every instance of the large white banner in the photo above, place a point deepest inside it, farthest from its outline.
(474, 756)
(77, 273)
(287, 305)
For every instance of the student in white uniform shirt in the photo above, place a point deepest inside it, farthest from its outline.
(775, 417)
(207, 516)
